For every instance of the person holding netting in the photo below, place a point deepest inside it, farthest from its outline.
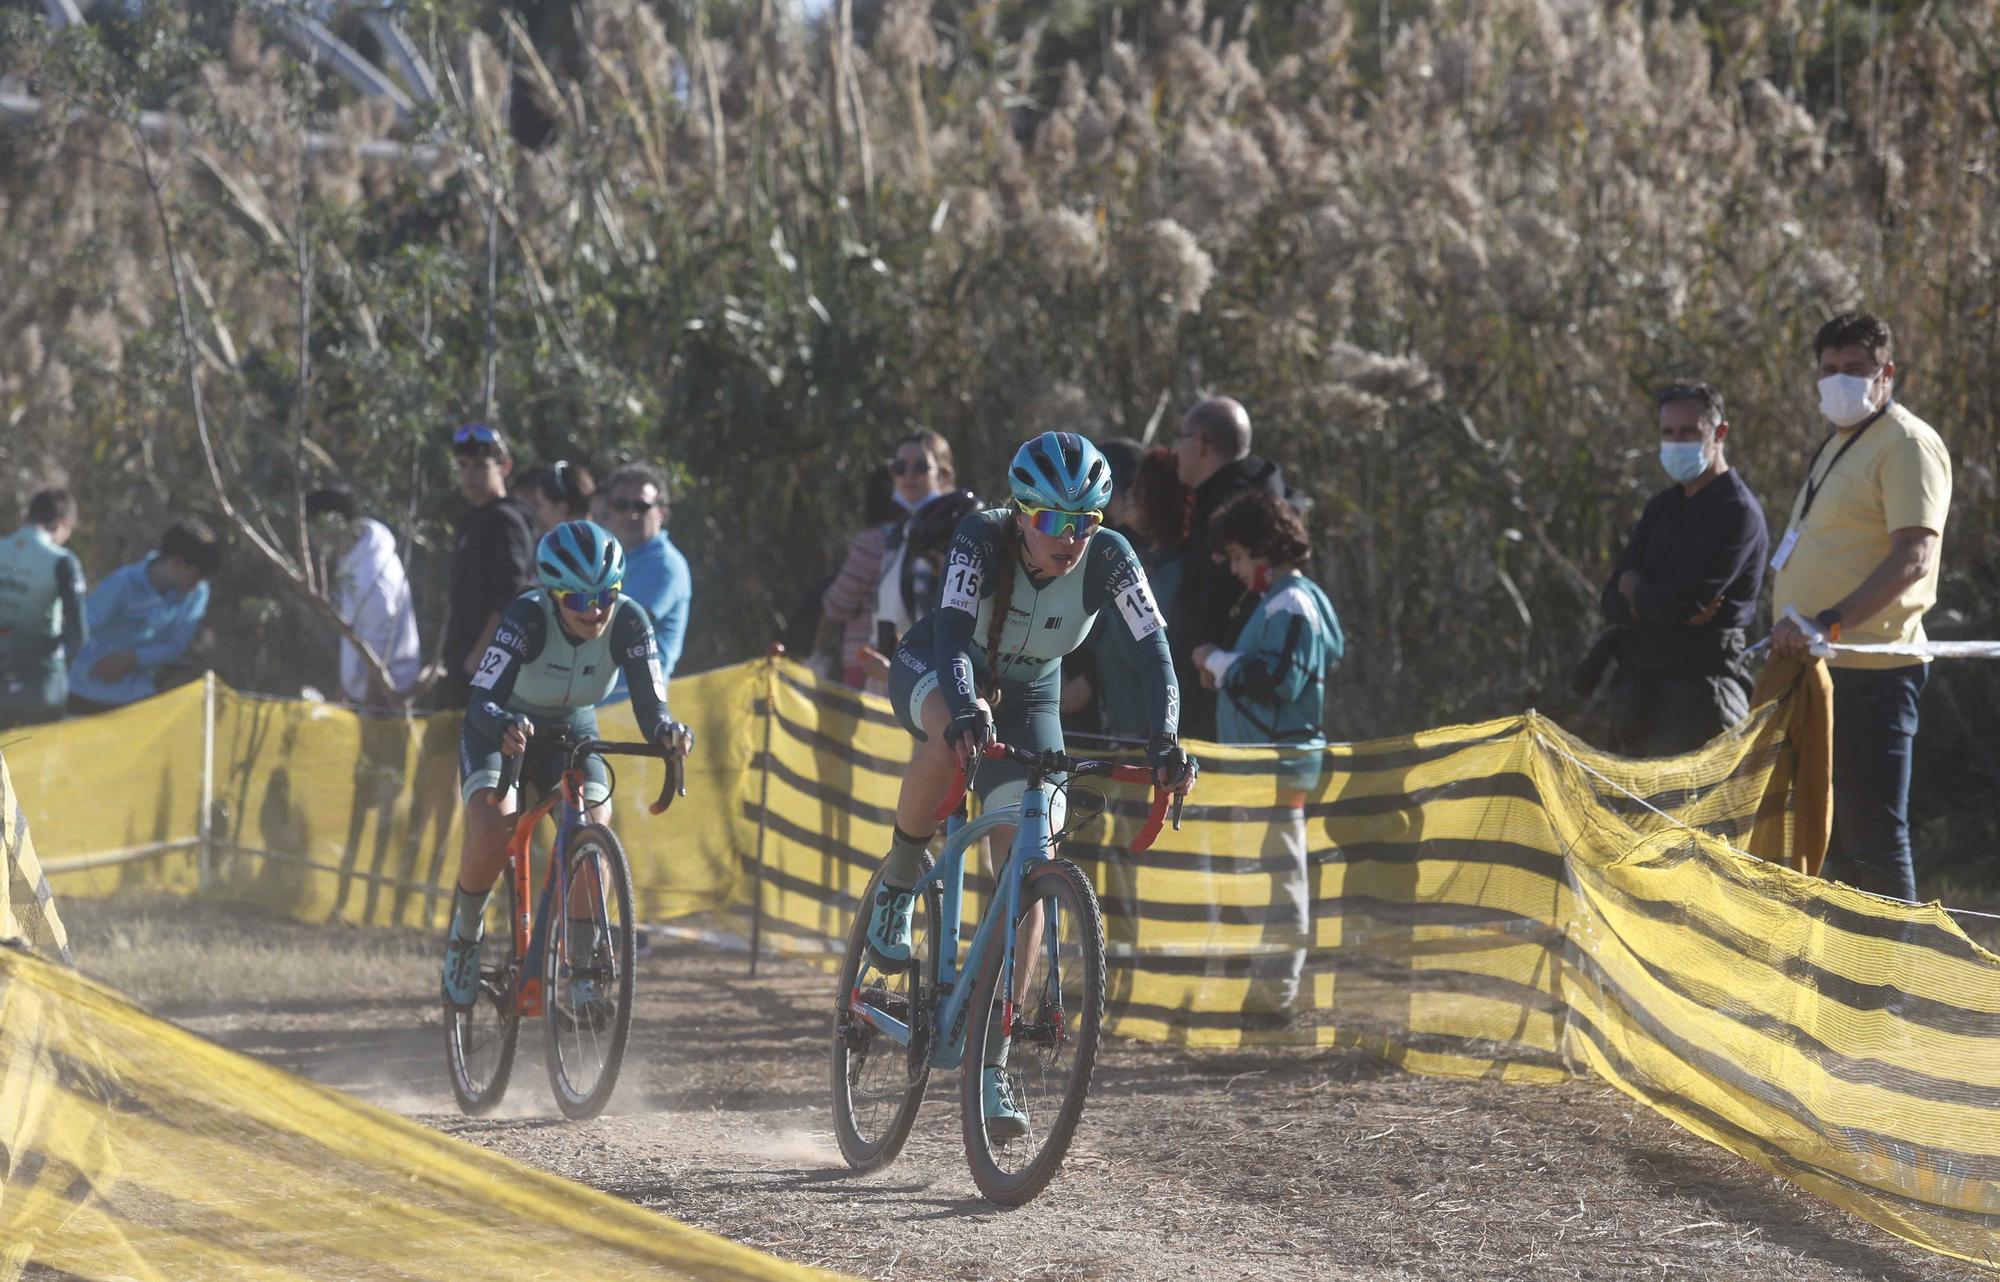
(1272, 690)
(1022, 587)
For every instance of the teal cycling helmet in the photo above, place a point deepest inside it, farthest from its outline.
(580, 556)
(1061, 470)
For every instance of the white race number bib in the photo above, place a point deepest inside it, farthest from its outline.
(489, 668)
(1142, 615)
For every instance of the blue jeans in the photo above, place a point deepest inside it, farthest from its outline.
(1874, 732)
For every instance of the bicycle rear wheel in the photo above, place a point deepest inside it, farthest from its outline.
(479, 1040)
(587, 974)
(1058, 1005)
(878, 1084)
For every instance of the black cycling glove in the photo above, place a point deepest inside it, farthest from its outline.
(1172, 767)
(975, 722)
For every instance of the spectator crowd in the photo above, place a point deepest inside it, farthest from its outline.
(1221, 536)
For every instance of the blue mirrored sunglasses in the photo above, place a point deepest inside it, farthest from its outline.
(585, 602)
(475, 432)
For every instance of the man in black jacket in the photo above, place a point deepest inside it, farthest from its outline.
(492, 559)
(1684, 591)
(1213, 450)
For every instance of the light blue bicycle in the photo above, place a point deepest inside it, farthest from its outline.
(1028, 998)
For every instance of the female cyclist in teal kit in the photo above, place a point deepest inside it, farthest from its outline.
(1021, 588)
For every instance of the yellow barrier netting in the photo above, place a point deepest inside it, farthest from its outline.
(133, 1149)
(1496, 900)
(27, 903)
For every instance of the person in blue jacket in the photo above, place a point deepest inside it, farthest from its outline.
(1272, 690)
(41, 612)
(142, 619)
(656, 574)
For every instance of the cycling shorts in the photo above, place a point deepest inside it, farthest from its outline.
(479, 759)
(1029, 716)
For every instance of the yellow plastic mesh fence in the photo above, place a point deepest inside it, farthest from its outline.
(27, 903)
(132, 1149)
(1494, 900)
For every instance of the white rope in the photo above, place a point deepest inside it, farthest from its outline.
(1826, 649)
(1573, 759)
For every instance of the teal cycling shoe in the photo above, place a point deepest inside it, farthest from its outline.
(461, 971)
(1004, 1119)
(889, 928)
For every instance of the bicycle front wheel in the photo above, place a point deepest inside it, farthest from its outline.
(479, 1039)
(1046, 1052)
(587, 974)
(878, 1083)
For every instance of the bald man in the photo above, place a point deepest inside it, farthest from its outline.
(1213, 452)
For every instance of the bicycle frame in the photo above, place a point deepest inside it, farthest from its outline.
(531, 927)
(1030, 818)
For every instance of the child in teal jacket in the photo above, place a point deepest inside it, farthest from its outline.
(1273, 691)
(1273, 684)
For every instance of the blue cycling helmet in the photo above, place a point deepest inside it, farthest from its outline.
(579, 556)
(1061, 470)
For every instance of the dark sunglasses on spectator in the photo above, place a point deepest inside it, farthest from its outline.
(585, 602)
(905, 467)
(634, 505)
(475, 433)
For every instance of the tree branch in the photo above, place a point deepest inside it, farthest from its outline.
(266, 547)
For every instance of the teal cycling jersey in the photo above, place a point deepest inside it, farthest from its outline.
(534, 668)
(1273, 684)
(41, 601)
(1045, 620)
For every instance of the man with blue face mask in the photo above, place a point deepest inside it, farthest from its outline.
(1681, 598)
(1860, 561)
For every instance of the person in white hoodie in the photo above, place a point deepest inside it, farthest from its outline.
(372, 593)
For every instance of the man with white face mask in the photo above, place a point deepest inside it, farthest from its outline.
(1860, 560)
(1681, 597)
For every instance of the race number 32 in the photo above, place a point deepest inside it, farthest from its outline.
(489, 668)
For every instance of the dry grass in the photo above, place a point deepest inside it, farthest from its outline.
(178, 956)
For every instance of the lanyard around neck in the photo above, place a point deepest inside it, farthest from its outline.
(1813, 487)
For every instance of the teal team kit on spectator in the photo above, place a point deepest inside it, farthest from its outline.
(41, 624)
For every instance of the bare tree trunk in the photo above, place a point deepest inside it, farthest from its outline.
(267, 547)
(850, 88)
(302, 240)
(488, 384)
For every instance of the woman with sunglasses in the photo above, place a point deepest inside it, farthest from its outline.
(554, 657)
(921, 467)
(1022, 586)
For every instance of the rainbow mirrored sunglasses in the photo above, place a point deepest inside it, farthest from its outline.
(585, 602)
(1058, 524)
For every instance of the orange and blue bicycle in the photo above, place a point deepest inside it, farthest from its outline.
(569, 961)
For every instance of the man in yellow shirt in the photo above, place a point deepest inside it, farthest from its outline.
(1861, 561)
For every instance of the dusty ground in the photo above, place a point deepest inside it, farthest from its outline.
(1188, 1166)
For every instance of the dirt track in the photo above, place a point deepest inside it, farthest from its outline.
(1188, 1166)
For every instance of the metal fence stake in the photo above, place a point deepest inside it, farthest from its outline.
(764, 804)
